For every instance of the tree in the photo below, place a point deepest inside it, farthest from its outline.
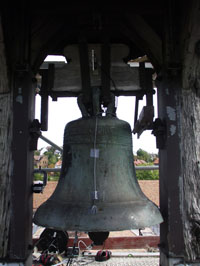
(53, 155)
(147, 157)
(38, 152)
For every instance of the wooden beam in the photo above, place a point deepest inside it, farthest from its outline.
(105, 71)
(85, 71)
(171, 234)
(145, 38)
(189, 130)
(46, 87)
(20, 237)
(178, 101)
(139, 93)
(136, 242)
(141, 7)
(6, 123)
(44, 100)
(191, 46)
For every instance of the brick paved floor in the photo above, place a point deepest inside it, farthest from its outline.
(115, 261)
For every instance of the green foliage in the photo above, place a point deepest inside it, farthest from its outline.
(38, 152)
(54, 176)
(147, 157)
(147, 174)
(38, 176)
(53, 156)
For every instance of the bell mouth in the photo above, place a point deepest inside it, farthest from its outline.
(107, 169)
(109, 217)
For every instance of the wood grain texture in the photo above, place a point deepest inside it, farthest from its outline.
(190, 132)
(190, 146)
(5, 169)
(5, 150)
(146, 38)
(190, 37)
(3, 69)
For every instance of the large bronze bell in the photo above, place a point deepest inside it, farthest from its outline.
(97, 190)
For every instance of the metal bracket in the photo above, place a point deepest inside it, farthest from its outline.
(145, 120)
(38, 186)
(46, 87)
(159, 131)
(35, 134)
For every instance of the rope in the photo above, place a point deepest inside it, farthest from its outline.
(95, 159)
(94, 208)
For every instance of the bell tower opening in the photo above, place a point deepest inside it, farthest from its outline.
(64, 107)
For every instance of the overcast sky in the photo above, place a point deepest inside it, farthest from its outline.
(66, 109)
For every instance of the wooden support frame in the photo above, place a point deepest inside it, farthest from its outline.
(5, 149)
(136, 242)
(47, 85)
(85, 71)
(20, 240)
(105, 72)
(171, 235)
(145, 38)
(178, 102)
(179, 177)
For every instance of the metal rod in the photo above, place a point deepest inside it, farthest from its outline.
(44, 100)
(48, 170)
(150, 167)
(136, 109)
(153, 167)
(51, 143)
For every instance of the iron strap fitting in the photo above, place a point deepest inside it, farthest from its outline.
(35, 132)
(159, 131)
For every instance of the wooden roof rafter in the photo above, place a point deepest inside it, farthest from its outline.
(145, 38)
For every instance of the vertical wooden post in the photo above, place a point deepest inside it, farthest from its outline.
(179, 105)
(171, 235)
(171, 179)
(16, 162)
(85, 71)
(190, 131)
(20, 246)
(5, 151)
(105, 71)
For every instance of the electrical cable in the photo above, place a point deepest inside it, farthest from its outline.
(82, 261)
(81, 241)
(60, 263)
(75, 261)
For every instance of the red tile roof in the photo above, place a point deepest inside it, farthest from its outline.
(139, 162)
(156, 161)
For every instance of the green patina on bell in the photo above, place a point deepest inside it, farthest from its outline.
(98, 189)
